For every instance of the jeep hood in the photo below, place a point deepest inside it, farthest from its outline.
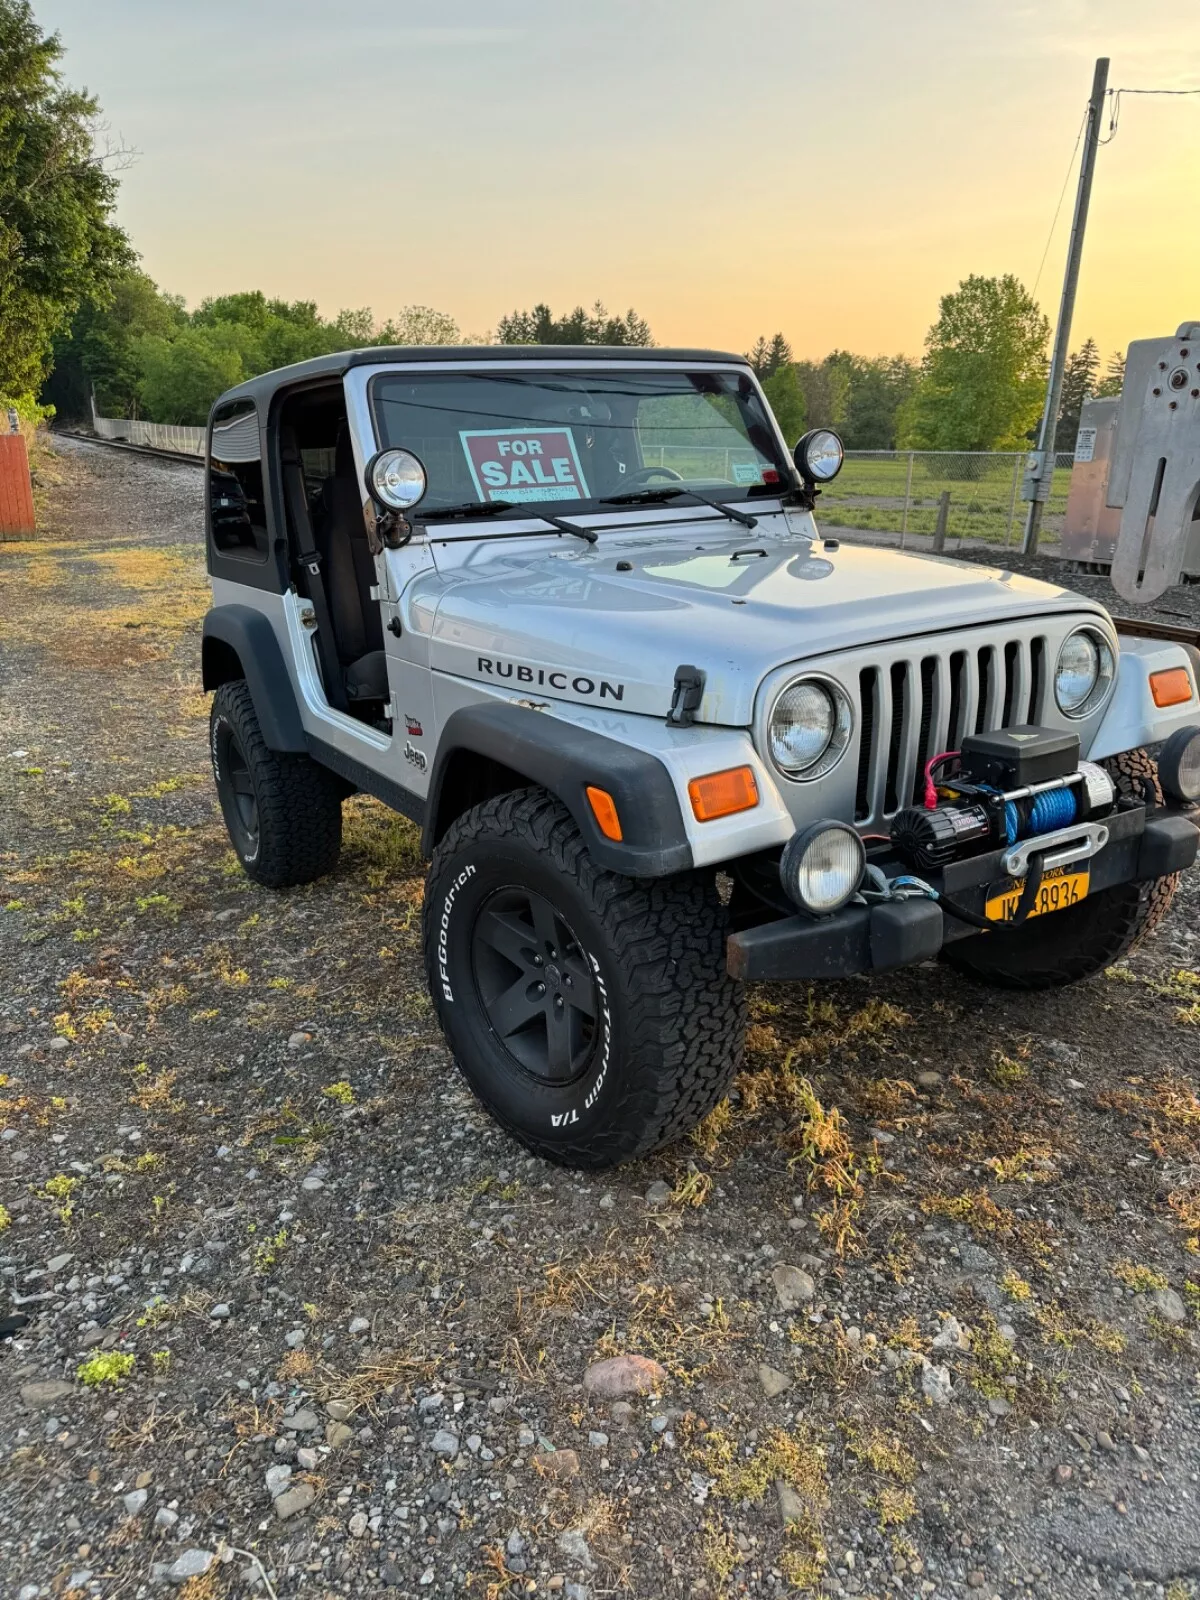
(571, 624)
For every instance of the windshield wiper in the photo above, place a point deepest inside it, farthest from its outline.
(469, 508)
(649, 497)
(495, 508)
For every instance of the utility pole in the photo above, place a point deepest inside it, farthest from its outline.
(1040, 473)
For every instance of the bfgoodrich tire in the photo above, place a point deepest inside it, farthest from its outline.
(283, 812)
(591, 1014)
(1064, 946)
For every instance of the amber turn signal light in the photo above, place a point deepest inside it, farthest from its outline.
(1172, 687)
(604, 809)
(720, 794)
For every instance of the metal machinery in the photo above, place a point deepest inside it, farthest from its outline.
(1134, 503)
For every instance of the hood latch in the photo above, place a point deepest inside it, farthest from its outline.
(685, 697)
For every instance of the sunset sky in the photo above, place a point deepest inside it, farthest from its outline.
(727, 169)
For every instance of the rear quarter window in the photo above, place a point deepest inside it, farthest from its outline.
(237, 516)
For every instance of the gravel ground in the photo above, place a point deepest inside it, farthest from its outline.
(914, 1314)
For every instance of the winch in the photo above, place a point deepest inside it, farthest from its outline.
(1000, 788)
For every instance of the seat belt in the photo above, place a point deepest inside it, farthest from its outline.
(310, 559)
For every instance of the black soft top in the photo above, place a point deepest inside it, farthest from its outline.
(263, 388)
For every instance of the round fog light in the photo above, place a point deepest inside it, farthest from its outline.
(1179, 765)
(822, 867)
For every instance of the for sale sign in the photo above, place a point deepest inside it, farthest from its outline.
(524, 464)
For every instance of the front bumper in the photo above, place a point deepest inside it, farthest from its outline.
(898, 933)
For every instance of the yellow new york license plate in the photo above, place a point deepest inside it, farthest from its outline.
(1064, 886)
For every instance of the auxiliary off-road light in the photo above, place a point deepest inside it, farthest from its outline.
(819, 455)
(1179, 765)
(396, 479)
(822, 867)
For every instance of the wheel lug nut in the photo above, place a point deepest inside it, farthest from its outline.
(540, 989)
(537, 961)
(569, 980)
(558, 1002)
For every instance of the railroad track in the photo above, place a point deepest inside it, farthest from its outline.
(131, 449)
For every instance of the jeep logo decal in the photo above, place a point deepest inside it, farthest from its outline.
(490, 667)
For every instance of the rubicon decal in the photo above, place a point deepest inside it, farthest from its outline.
(550, 678)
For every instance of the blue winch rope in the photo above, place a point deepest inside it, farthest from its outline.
(1054, 809)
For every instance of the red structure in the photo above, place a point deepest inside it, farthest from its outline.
(16, 490)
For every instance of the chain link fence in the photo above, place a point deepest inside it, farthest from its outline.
(928, 499)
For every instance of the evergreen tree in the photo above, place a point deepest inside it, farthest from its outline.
(1079, 384)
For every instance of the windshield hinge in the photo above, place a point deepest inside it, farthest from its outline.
(685, 697)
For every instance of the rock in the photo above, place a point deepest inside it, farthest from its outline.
(59, 1043)
(360, 1325)
(559, 1464)
(658, 1195)
(793, 1286)
(307, 1459)
(597, 1440)
(577, 1591)
(220, 1312)
(1106, 1441)
(773, 1381)
(444, 1443)
(792, 1507)
(338, 1434)
(295, 1338)
(357, 1526)
(293, 1501)
(998, 1406)
(297, 1040)
(191, 1564)
(951, 1336)
(46, 1392)
(340, 1410)
(135, 1502)
(29, 1591)
(621, 1412)
(312, 1183)
(928, 1080)
(278, 1479)
(1063, 1473)
(1168, 1305)
(164, 1517)
(392, 1575)
(57, 1263)
(515, 1545)
(935, 1383)
(575, 1547)
(302, 1421)
(622, 1375)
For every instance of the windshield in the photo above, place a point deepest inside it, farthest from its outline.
(577, 438)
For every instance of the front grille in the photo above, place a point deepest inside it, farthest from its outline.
(918, 705)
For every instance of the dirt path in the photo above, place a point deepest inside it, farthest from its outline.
(929, 1270)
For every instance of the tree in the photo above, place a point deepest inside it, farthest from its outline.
(1078, 385)
(769, 355)
(983, 377)
(1113, 380)
(541, 326)
(826, 389)
(181, 377)
(58, 243)
(879, 387)
(98, 351)
(783, 391)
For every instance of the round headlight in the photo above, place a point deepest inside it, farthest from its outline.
(809, 728)
(819, 455)
(1179, 765)
(1084, 673)
(822, 867)
(396, 479)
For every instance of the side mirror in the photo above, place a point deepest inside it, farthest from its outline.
(819, 455)
(396, 480)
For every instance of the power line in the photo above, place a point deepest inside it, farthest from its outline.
(1114, 96)
(1058, 207)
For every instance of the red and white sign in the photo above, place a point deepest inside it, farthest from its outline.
(524, 464)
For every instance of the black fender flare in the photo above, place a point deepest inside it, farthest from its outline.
(239, 642)
(565, 759)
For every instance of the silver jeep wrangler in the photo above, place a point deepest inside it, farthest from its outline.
(569, 610)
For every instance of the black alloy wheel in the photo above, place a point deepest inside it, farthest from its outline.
(535, 984)
(243, 802)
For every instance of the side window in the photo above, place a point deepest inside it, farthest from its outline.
(235, 482)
